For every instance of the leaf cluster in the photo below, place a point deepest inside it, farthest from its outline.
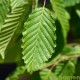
(42, 37)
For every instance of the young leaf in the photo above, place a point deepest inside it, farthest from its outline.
(38, 39)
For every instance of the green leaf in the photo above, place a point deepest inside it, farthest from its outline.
(4, 8)
(47, 74)
(65, 69)
(12, 23)
(21, 70)
(69, 3)
(38, 39)
(77, 69)
(78, 12)
(58, 7)
(71, 50)
(17, 3)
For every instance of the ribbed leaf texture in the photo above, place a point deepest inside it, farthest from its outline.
(46, 74)
(17, 73)
(4, 8)
(65, 69)
(12, 23)
(69, 3)
(58, 7)
(17, 3)
(38, 39)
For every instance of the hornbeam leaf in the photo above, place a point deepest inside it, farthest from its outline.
(59, 9)
(65, 69)
(4, 8)
(13, 22)
(69, 3)
(17, 3)
(47, 74)
(38, 39)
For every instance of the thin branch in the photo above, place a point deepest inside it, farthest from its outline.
(44, 3)
(63, 58)
(73, 44)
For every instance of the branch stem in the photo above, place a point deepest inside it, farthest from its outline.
(44, 3)
(62, 58)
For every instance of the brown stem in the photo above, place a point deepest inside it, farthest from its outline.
(63, 58)
(44, 3)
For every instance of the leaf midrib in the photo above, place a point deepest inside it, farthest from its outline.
(37, 35)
